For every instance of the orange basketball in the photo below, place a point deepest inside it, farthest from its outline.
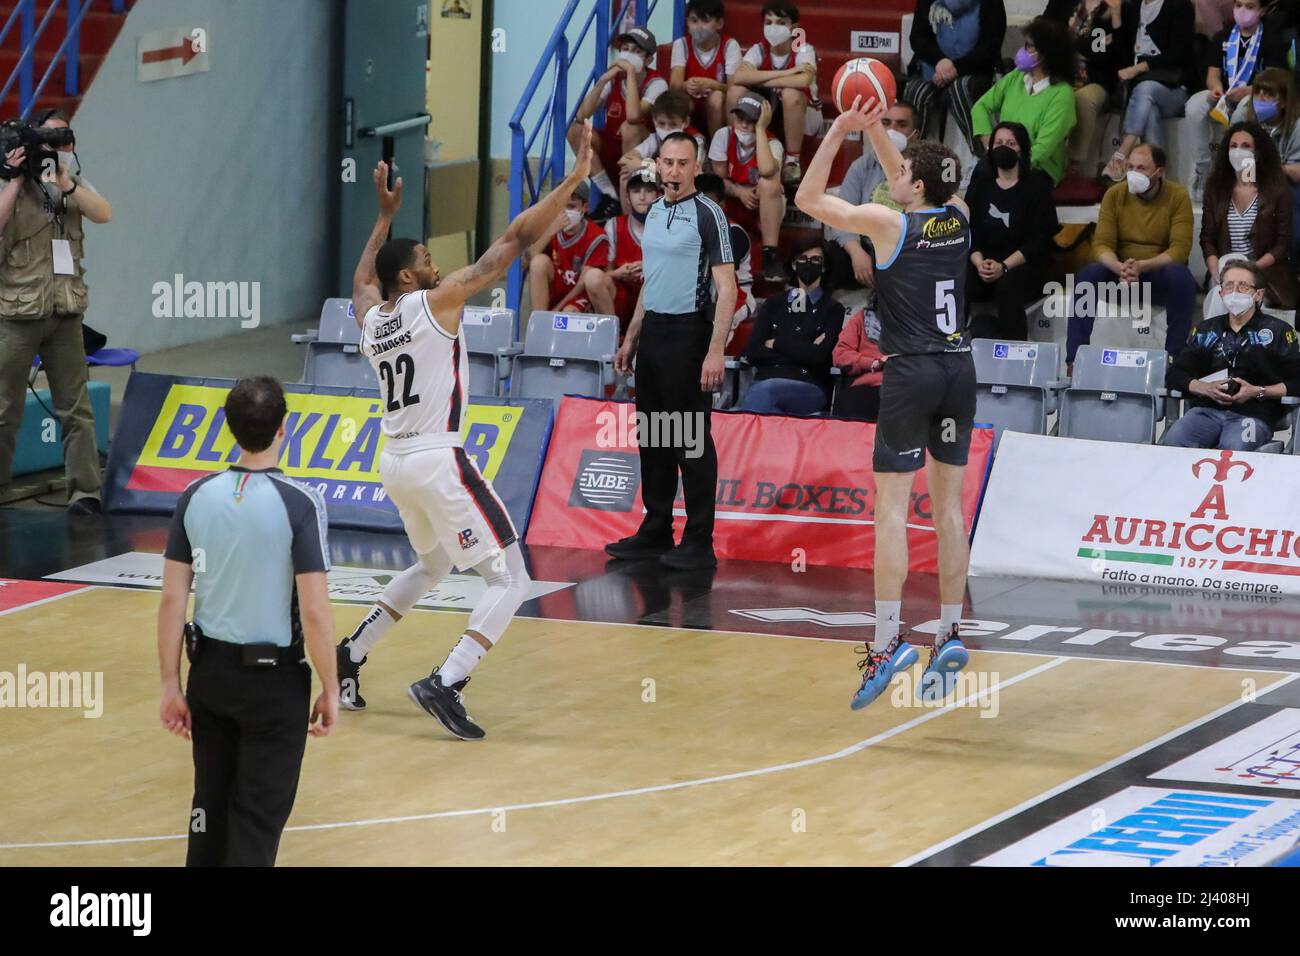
(864, 77)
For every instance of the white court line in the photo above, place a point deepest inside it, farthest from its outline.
(611, 795)
(47, 600)
(1087, 775)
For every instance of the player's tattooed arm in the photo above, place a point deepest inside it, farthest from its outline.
(366, 291)
(530, 226)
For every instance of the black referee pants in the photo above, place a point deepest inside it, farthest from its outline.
(669, 358)
(249, 731)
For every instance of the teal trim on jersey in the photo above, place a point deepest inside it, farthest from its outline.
(902, 237)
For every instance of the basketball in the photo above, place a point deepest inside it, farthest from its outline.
(864, 77)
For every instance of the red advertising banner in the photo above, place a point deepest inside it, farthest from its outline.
(783, 484)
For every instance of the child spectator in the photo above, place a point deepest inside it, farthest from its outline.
(559, 258)
(783, 67)
(748, 160)
(704, 62)
(627, 90)
(614, 289)
(671, 114)
(858, 357)
(956, 49)
(1038, 94)
(713, 186)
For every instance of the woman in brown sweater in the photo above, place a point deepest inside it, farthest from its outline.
(1248, 211)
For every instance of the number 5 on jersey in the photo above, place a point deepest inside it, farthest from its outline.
(945, 304)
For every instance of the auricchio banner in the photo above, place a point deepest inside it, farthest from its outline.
(1141, 514)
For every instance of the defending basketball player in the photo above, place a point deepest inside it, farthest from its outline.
(410, 319)
(928, 395)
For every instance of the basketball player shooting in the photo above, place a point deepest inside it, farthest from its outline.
(410, 318)
(927, 400)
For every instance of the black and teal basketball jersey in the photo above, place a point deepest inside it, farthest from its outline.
(921, 290)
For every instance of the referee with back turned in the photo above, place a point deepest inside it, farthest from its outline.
(253, 542)
(677, 335)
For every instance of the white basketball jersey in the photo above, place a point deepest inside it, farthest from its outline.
(423, 373)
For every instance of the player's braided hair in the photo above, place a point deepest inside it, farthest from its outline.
(937, 167)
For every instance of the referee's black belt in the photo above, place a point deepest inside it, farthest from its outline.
(198, 644)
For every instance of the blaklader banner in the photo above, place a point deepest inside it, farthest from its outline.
(794, 490)
(1141, 514)
(173, 430)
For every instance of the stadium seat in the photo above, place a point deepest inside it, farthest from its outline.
(1017, 384)
(489, 340)
(1120, 328)
(565, 354)
(334, 355)
(1115, 395)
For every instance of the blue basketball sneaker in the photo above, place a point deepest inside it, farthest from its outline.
(878, 669)
(947, 657)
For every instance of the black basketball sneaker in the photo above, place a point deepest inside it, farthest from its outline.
(349, 679)
(444, 705)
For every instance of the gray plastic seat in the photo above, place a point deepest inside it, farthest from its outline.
(489, 342)
(1115, 395)
(334, 356)
(1016, 384)
(565, 354)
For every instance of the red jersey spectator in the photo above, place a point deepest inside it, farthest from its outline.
(559, 257)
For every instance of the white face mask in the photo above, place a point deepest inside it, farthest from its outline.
(665, 131)
(897, 138)
(703, 35)
(1138, 183)
(745, 139)
(776, 33)
(1238, 302)
(67, 160)
(572, 217)
(636, 59)
(1241, 158)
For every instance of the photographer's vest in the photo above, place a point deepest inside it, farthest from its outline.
(29, 289)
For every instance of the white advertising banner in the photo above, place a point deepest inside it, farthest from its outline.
(1110, 512)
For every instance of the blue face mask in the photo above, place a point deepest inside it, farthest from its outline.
(1265, 111)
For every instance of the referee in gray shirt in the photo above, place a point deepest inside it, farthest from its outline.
(253, 543)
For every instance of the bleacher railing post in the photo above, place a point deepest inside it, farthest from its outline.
(559, 112)
(25, 71)
(642, 12)
(515, 277)
(679, 18)
(603, 14)
(72, 55)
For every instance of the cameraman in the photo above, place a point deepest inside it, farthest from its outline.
(43, 296)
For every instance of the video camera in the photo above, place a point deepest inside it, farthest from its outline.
(40, 141)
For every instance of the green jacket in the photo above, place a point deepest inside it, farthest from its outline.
(1047, 115)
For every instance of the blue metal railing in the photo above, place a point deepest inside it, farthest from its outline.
(554, 119)
(30, 34)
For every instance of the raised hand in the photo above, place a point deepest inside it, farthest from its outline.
(390, 200)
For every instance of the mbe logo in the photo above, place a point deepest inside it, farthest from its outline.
(606, 481)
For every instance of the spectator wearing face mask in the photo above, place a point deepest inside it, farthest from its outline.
(858, 357)
(1275, 106)
(559, 258)
(792, 342)
(956, 50)
(850, 260)
(704, 63)
(613, 289)
(627, 91)
(1235, 370)
(1247, 211)
(1038, 94)
(783, 67)
(1012, 222)
(748, 160)
(1144, 235)
(1236, 56)
(671, 114)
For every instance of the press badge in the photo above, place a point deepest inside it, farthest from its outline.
(63, 258)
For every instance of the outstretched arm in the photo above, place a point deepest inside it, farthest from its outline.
(528, 227)
(878, 223)
(366, 292)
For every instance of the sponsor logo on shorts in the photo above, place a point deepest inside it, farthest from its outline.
(606, 481)
(467, 539)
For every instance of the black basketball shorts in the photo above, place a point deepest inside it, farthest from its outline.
(927, 403)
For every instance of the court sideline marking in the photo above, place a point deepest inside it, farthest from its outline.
(610, 795)
(1089, 774)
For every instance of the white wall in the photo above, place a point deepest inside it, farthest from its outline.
(219, 176)
(528, 25)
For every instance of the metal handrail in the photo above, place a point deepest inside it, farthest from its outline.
(69, 50)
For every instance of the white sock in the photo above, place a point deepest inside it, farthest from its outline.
(462, 659)
(887, 613)
(603, 183)
(949, 617)
(368, 633)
